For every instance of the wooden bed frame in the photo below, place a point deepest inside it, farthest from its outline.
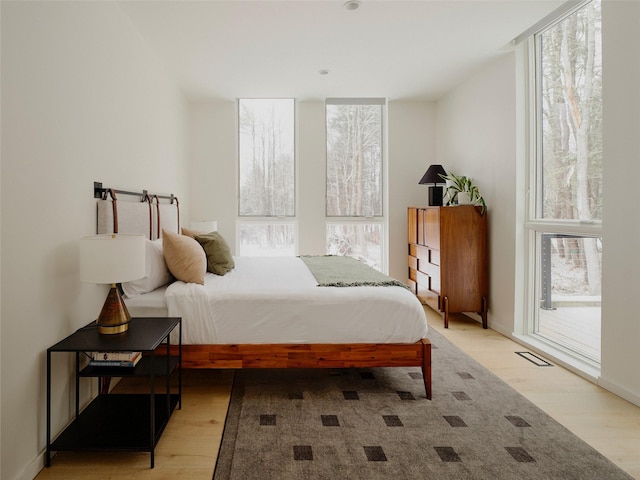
(312, 355)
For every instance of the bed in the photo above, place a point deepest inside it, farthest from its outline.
(269, 312)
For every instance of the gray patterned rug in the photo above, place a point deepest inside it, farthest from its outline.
(377, 424)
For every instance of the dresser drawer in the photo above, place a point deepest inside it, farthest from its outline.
(434, 257)
(422, 252)
(413, 286)
(428, 290)
(430, 269)
(413, 274)
(427, 282)
(434, 283)
(430, 298)
(413, 262)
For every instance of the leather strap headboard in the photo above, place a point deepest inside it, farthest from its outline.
(144, 215)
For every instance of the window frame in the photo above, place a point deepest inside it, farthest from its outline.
(360, 101)
(295, 159)
(533, 222)
(381, 219)
(265, 220)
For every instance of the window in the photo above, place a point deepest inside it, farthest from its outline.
(267, 189)
(570, 118)
(354, 193)
(359, 240)
(267, 239)
(354, 160)
(566, 177)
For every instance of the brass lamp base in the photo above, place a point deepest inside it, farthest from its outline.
(114, 316)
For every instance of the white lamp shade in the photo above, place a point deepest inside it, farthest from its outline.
(205, 226)
(112, 258)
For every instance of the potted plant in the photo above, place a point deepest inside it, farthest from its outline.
(462, 190)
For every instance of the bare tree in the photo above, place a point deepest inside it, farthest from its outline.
(267, 172)
(354, 160)
(572, 135)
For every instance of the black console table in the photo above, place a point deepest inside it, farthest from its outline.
(114, 421)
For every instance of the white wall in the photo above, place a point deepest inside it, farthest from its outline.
(477, 138)
(411, 149)
(621, 153)
(83, 99)
(212, 156)
(212, 127)
(312, 148)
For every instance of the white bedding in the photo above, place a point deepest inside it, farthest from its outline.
(277, 300)
(152, 304)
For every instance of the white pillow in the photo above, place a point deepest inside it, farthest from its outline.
(157, 273)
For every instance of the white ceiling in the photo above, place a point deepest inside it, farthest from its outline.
(397, 49)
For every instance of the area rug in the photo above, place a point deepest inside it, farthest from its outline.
(377, 424)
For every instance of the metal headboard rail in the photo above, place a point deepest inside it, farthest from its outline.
(100, 192)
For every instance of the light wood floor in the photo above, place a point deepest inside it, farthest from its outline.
(189, 445)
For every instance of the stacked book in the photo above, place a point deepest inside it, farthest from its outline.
(114, 359)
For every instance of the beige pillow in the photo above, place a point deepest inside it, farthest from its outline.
(219, 258)
(191, 233)
(185, 257)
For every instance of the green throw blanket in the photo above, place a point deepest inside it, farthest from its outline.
(337, 271)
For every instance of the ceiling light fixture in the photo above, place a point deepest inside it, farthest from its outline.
(351, 5)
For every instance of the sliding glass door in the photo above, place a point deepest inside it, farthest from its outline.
(568, 300)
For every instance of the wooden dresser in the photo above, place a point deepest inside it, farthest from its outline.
(448, 267)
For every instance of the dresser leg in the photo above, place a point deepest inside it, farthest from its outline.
(485, 307)
(445, 309)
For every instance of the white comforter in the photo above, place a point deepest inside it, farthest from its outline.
(277, 300)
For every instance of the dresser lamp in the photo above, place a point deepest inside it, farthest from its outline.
(207, 226)
(112, 259)
(432, 178)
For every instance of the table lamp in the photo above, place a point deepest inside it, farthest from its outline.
(112, 258)
(432, 176)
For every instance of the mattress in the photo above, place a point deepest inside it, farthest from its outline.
(277, 300)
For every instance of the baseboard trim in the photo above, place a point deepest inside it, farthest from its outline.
(32, 470)
(620, 391)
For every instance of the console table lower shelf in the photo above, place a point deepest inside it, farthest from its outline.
(113, 422)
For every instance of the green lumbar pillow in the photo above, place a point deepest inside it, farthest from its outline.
(219, 258)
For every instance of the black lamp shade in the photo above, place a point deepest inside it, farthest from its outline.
(432, 175)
